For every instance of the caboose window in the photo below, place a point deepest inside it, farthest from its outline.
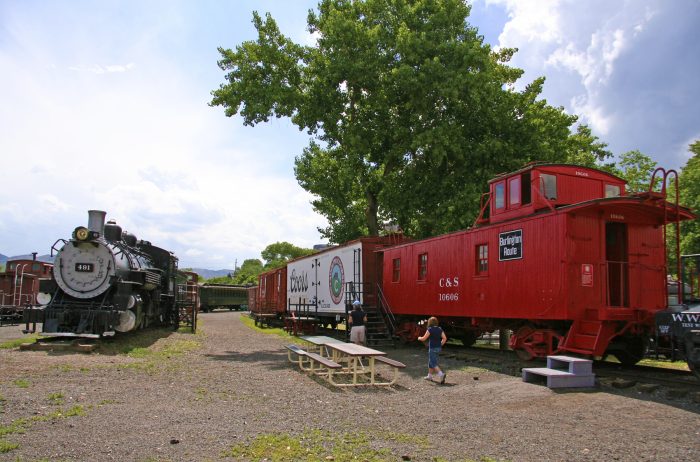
(612, 190)
(422, 267)
(500, 195)
(514, 192)
(482, 259)
(396, 274)
(35, 266)
(549, 185)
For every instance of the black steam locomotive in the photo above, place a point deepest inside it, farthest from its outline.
(105, 281)
(678, 327)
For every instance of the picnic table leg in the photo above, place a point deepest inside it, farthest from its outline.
(371, 369)
(352, 365)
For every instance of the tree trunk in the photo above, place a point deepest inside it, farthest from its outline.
(371, 214)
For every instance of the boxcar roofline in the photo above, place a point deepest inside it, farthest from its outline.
(563, 167)
(685, 214)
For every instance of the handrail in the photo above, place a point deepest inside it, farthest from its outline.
(385, 309)
(676, 220)
(482, 206)
(19, 275)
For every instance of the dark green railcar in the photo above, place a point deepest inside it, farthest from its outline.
(213, 296)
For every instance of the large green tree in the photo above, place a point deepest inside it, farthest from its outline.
(248, 272)
(408, 110)
(636, 168)
(279, 253)
(689, 186)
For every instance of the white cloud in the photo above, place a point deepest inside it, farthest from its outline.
(141, 143)
(98, 69)
(583, 39)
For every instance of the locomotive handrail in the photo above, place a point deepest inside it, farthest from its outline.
(53, 247)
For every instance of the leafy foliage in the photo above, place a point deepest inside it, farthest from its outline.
(279, 253)
(636, 168)
(409, 112)
(689, 185)
(247, 273)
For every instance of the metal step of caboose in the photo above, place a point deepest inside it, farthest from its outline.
(377, 332)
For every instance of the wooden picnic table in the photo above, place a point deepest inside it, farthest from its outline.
(338, 353)
(352, 354)
(319, 342)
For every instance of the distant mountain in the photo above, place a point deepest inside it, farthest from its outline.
(3, 258)
(208, 274)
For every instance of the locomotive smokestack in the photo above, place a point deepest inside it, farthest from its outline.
(34, 256)
(96, 221)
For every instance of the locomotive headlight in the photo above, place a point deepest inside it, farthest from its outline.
(43, 298)
(81, 233)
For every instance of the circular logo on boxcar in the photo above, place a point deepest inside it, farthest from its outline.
(336, 277)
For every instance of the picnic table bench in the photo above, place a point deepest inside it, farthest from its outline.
(339, 353)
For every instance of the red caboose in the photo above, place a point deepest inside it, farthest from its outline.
(560, 255)
(19, 285)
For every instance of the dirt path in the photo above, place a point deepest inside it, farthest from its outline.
(237, 385)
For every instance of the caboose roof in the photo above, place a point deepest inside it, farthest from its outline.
(570, 169)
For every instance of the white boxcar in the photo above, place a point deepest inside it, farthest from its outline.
(324, 277)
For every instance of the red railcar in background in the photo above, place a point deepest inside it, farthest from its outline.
(560, 255)
(19, 286)
(252, 301)
(271, 295)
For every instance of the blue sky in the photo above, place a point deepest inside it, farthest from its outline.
(103, 105)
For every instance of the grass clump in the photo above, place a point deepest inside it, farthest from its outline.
(15, 343)
(22, 383)
(310, 446)
(56, 398)
(6, 446)
(21, 425)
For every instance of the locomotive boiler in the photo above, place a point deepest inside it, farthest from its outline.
(105, 281)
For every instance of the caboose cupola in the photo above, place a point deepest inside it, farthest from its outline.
(547, 186)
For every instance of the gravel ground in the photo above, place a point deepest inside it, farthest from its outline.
(238, 385)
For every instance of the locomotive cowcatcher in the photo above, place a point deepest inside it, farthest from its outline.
(106, 281)
(560, 255)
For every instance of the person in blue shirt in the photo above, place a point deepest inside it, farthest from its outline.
(436, 339)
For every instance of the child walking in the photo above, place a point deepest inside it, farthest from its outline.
(436, 339)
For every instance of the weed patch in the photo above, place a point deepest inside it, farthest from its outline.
(56, 398)
(15, 343)
(310, 446)
(22, 383)
(6, 446)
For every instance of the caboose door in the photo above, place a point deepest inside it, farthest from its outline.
(617, 263)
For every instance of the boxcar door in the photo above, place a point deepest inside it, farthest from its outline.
(617, 259)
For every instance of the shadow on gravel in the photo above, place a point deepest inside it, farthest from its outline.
(461, 359)
(275, 359)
